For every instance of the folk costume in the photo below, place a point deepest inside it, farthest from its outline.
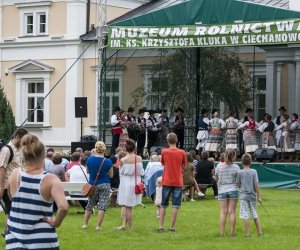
(215, 137)
(141, 133)
(285, 143)
(267, 129)
(178, 123)
(115, 123)
(131, 124)
(231, 134)
(295, 132)
(163, 125)
(202, 135)
(277, 121)
(152, 130)
(124, 135)
(251, 143)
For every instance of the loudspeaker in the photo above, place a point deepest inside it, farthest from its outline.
(83, 145)
(265, 154)
(81, 107)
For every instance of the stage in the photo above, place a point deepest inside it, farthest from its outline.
(274, 175)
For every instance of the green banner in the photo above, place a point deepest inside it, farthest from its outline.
(199, 35)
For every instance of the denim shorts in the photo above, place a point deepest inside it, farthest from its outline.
(232, 195)
(176, 196)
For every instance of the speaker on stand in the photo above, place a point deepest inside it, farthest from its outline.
(81, 111)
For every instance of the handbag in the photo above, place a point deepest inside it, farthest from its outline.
(88, 189)
(117, 130)
(139, 188)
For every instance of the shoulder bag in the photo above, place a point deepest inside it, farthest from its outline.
(88, 189)
(139, 188)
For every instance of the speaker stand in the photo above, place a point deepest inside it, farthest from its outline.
(81, 123)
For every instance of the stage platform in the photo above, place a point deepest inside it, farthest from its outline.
(274, 175)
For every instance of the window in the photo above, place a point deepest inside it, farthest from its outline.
(42, 23)
(112, 97)
(34, 23)
(35, 105)
(156, 93)
(261, 98)
(29, 24)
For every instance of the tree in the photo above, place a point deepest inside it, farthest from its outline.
(7, 119)
(173, 83)
(222, 79)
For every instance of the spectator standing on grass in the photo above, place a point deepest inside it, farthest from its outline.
(10, 159)
(247, 181)
(101, 194)
(173, 160)
(131, 170)
(226, 175)
(33, 191)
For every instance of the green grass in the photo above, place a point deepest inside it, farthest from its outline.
(197, 227)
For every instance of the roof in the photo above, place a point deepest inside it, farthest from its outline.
(275, 3)
(189, 12)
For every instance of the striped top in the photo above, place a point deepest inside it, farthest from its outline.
(227, 175)
(26, 228)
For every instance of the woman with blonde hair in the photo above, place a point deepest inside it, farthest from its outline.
(98, 165)
(33, 191)
(226, 176)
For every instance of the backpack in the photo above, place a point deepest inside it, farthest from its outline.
(2, 145)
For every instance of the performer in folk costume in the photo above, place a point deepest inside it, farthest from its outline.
(202, 136)
(242, 134)
(278, 120)
(141, 132)
(231, 131)
(295, 132)
(267, 128)
(163, 124)
(251, 126)
(215, 137)
(124, 134)
(115, 121)
(131, 124)
(152, 130)
(178, 125)
(285, 143)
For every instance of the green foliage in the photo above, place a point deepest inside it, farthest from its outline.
(222, 79)
(7, 119)
(197, 227)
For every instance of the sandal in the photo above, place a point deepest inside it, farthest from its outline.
(172, 230)
(159, 230)
(120, 228)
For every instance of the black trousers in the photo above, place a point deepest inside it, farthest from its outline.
(215, 187)
(115, 143)
(141, 140)
(180, 136)
(152, 137)
(132, 134)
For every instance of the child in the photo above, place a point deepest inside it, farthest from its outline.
(158, 196)
(247, 181)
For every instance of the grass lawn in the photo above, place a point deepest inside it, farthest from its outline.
(197, 227)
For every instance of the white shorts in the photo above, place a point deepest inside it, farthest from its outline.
(248, 209)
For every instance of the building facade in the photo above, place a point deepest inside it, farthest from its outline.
(39, 49)
(39, 43)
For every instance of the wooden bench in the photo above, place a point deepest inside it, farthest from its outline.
(74, 187)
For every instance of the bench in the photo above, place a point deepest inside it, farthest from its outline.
(74, 187)
(203, 187)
